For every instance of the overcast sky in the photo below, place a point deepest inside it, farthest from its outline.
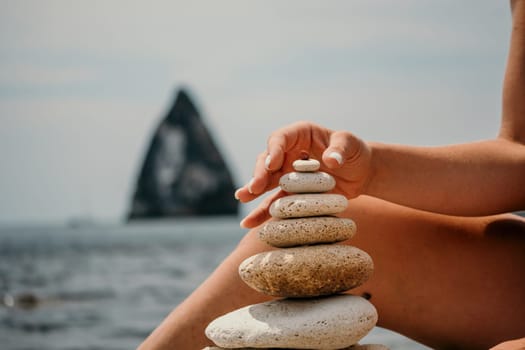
(84, 83)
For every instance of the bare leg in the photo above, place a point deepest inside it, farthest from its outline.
(447, 282)
(222, 292)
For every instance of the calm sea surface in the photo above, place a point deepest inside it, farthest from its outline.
(107, 287)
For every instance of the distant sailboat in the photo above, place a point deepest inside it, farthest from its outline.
(183, 174)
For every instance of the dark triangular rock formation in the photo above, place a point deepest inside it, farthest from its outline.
(183, 173)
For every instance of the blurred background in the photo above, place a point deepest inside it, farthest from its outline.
(85, 84)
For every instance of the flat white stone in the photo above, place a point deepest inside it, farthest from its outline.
(302, 205)
(305, 165)
(334, 322)
(314, 182)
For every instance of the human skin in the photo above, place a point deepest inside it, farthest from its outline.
(445, 274)
(518, 344)
(448, 282)
(478, 178)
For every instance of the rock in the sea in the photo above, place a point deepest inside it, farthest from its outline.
(334, 322)
(316, 182)
(302, 231)
(301, 205)
(184, 174)
(307, 271)
(306, 165)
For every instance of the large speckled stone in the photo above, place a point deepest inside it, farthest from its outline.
(296, 182)
(335, 322)
(307, 271)
(301, 205)
(302, 231)
(306, 165)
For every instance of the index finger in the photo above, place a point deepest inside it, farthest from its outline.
(281, 141)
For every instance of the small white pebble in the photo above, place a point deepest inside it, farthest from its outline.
(307, 165)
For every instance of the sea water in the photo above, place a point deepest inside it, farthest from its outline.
(107, 286)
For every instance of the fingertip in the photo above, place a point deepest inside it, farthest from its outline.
(243, 195)
(333, 159)
(250, 184)
(337, 156)
(274, 161)
(255, 217)
(271, 161)
(276, 149)
(247, 222)
(267, 162)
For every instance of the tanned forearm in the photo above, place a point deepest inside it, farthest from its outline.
(473, 179)
(480, 178)
(513, 112)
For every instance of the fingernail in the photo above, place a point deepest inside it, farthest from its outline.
(236, 194)
(267, 162)
(337, 156)
(241, 224)
(250, 185)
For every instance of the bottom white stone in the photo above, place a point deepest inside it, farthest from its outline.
(334, 322)
(353, 347)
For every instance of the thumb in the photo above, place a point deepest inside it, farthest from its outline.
(343, 146)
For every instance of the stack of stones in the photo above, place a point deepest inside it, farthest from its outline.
(307, 273)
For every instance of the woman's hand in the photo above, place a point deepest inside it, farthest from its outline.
(341, 154)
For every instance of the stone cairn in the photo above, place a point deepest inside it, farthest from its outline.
(307, 273)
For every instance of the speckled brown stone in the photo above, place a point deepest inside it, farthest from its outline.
(302, 231)
(316, 182)
(334, 322)
(307, 271)
(302, 205)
